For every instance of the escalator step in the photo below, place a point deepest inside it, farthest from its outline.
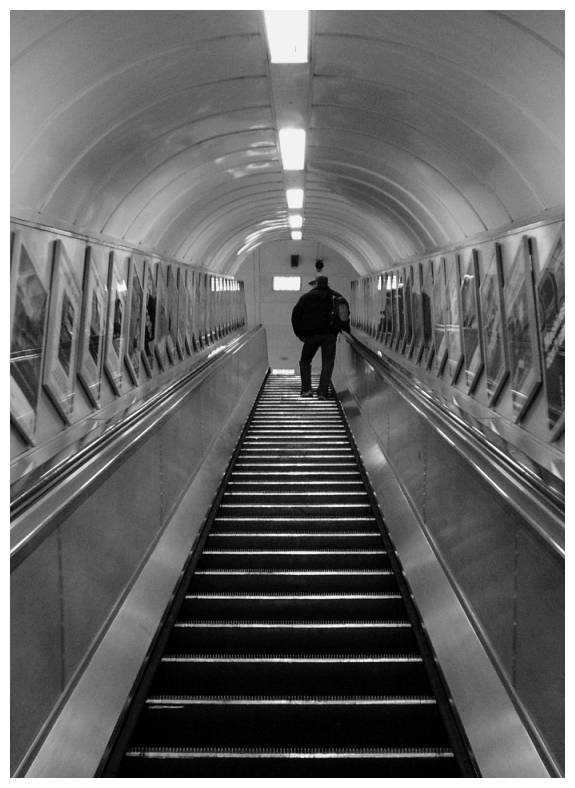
(297, 607)
(317, 722)
(291, 637)
(289, 674)
(292, 654)
(286, 580)
(162, 763)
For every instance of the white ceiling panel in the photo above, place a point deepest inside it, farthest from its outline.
(160, 128)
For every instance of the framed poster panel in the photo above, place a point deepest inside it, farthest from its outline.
(172, 310)
(134, 322)
(183, 296)
(417, 313)
(399, 310)
(206, 294)
(380, 310)
(493, 326)
(63, 334)
(438, 307)
(92, 328)
(368, 314)
(471, 321)
(149, 318)
(191, 313)
(374, 307)
(116, 324)
(388, 308)
(203, 296)
(551, 309)
(394, 314)
(217, 295)
(524, 359)
(427, 313)
(453, 331)
(29, 294)
(161, 318)
(408, 310)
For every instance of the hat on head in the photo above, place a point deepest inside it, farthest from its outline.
(320, 281)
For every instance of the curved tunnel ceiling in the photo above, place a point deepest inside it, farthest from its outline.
(160, 128)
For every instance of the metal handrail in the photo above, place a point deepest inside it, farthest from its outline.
(123, 435)
(540, 506)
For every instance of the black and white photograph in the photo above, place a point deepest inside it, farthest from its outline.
(294, 505)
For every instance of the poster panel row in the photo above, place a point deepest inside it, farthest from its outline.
(459, 315)
(146, 321)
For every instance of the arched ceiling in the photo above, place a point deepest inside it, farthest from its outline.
(160, 128)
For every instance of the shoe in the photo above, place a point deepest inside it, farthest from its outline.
(321, 396)
(306, 393)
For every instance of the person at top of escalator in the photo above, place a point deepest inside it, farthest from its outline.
(317, 319)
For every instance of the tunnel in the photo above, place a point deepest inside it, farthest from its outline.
(210, 574)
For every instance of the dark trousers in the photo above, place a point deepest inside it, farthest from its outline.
(327, 343)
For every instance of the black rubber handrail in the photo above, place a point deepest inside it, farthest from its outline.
(54, 475)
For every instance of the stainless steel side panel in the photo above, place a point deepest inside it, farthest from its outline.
(109, 570)
(456, 543)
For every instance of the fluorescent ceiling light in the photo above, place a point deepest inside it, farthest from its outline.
(294, 198)
(287, 35)
(296, 235)
(295, 221)
(292, 147)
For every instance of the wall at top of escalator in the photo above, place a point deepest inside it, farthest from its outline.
(273, 309)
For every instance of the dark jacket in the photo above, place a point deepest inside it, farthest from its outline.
(311, 313)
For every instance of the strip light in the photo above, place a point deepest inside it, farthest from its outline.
(296, 235)
(294, 198)
(287, 33)
(292, 147)
(295, 221)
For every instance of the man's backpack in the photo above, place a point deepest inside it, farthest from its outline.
(338, 317)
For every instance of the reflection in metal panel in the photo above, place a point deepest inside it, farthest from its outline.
(447, 521)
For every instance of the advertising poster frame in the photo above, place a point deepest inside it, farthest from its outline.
(115, 325)
(493, 325)
(29, 300)
(92, 328)
(63, 334)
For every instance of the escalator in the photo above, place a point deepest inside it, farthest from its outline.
(295, 650)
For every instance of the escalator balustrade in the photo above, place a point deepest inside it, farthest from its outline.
(293, 653)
